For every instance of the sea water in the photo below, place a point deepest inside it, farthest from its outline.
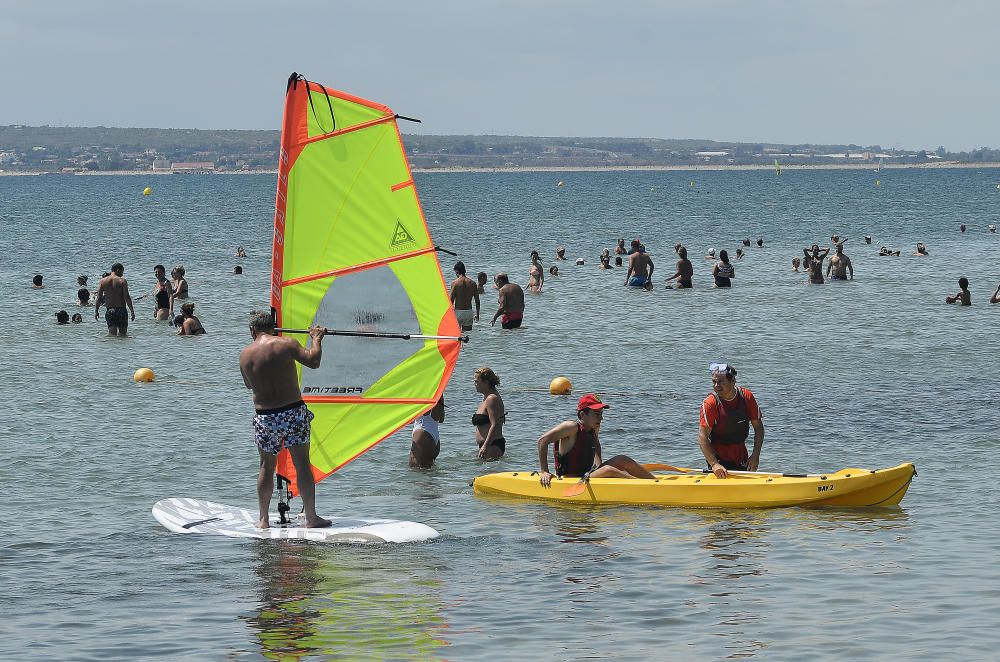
(868, 373)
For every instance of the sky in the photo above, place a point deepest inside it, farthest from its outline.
(900, 74)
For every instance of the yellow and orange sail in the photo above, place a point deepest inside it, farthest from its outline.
(352, 251)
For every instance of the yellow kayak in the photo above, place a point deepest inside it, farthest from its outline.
(845, 488)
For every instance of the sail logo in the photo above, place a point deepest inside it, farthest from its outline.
(401, 236)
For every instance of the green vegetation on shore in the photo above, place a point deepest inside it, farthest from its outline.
(88, 149)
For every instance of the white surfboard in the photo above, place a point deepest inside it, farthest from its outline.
(197, 516)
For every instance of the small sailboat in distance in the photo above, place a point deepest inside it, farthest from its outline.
(777, 167)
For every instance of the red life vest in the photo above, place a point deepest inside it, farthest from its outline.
(579, 459)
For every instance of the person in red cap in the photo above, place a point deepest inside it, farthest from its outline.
(726, 416)
(577, 449)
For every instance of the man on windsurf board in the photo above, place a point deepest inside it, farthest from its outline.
(282, 419)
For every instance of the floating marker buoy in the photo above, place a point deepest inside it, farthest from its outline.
(143, 375)
(147, 191)
(691, 184)
(560, 386)
(652, 188)
(560, 183)
(878, 182)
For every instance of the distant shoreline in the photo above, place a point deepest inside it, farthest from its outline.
(945, 165)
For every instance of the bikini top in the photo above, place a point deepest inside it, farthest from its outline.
(480, 419)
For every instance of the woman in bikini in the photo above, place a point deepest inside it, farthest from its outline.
(489, 416)
(536, 277)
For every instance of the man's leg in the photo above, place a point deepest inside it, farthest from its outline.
(265, 483)
(306, 484)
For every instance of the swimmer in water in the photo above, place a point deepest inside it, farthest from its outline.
(82, 294)
(685, 272)
(36, 282)
(840, 265)
(536, 274)
(190, 325)
(795, 263)
(620, 248)
(816, 263)
(425, 441)
(640, 271)
(963, 296)
(921, 250)
(481, 278)
(605, 260)
(560, 253)
(489, 417)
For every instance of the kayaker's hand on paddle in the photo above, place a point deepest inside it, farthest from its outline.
(719, 470)
(545, 479)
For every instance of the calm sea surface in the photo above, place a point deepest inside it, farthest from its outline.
(868, 373)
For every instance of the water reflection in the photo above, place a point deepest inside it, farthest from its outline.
(345, 601)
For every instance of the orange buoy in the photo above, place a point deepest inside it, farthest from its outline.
(143, 375)
(560, 386)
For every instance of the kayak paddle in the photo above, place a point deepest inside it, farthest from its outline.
(579, 487)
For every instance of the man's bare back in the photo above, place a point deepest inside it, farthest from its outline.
(511, 298)
(268, 367)
(463, 292)
(638, 264)
(115, 290)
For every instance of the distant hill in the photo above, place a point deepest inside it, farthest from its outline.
(76, 149)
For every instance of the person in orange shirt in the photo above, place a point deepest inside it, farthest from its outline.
(726, 416)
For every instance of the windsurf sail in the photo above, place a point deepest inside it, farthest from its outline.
(777, 167)
(352, 251)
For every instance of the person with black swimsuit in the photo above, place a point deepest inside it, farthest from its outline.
(191, 325)
(489, 417)
(162, 291)
(576, 448)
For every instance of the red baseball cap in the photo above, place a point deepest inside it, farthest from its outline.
(590, 401)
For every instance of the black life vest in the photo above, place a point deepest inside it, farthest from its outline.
(579, 459)
(733, 425)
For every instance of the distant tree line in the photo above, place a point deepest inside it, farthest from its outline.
(46, 148)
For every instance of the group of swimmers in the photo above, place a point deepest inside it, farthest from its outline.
(113, 294)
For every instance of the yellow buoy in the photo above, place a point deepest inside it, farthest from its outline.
(143, 375)
(691, 184)
(878, 183)
(560, 386)
(147, 191)
(559, 184)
